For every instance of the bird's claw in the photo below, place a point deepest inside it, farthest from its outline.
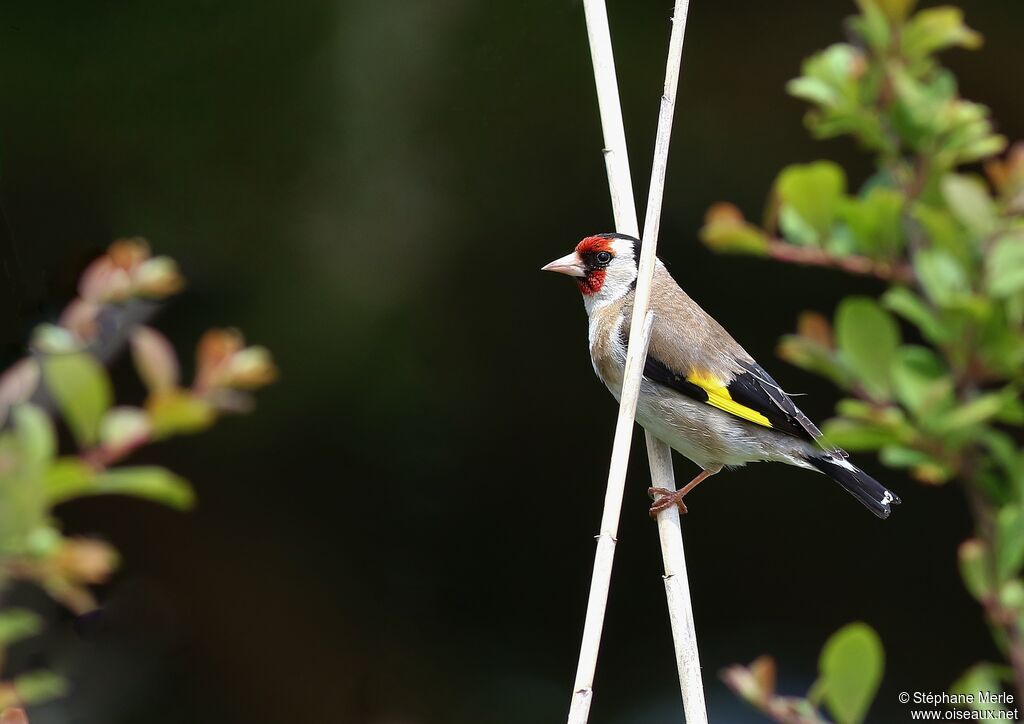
(665, 498)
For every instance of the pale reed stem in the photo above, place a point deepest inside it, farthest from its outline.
(620, 185)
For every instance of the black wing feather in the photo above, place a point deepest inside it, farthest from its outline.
(760, 385)
(657, 371)
(753, 388)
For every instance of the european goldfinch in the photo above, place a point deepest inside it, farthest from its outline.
(701, 392)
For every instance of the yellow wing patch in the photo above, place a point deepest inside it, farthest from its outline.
(718, 396)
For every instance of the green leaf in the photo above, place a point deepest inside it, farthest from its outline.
(149, 482)
(898, 456)
(815, 90)
(923, 467)
(943, 278)
(969, 200)
(978, 410)
(851, 668)
(17, 624)
(1011, 595)
(1003, 449)
(1001, 344)
(944, 232)
(829, 77)
(726, 231)
(896, 10)
(67, 478)
(983, 147)
(875, 221)
(981, 677)
(836, 81)
(853, 435)
(872, 25)
(70, 478)
(745, 239)
(921, 380)
(913, 114)
(1004, 265)
(1012, 412)
(976, 568)
(912, 308)
(808, 354)
(858, 410)
(44, 541)
(932, 473)
(935, 29)
(811, 193)
(796, 230)
(37, 687)
(34, 432)
(1010, 541)
(81, 389)
(867, 337)
(178, 412)
(932, 119)
(124, 426)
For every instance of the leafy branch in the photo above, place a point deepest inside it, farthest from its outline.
(933, 369)
(63, 379)
(850, 670)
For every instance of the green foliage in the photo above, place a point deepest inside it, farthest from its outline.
(873, 222)
(35, 434)
(726, 231)
(977, 569)
(933, 370)
(983, 677)
(849, 672)
(178, 413)
(868, 340)
(889, 92)
(17, 624)
(81, 389)
(38, 686)
(850, 669)
(63, 380)
(69, 479)
(150, 482)
(808, 198)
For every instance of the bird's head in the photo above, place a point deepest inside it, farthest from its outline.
(604, 267)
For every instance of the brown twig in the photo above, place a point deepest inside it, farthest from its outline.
(815, 256)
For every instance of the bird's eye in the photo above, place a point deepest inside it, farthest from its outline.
(603, 257)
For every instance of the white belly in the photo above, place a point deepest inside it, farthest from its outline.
(710, 437)
(704, 434)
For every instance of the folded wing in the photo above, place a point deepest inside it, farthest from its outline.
(750, 394)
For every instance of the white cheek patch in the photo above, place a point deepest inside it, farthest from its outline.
(618, 281)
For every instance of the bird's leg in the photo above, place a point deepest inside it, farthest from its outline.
(663, 497)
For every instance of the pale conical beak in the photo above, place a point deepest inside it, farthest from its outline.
(570, 264)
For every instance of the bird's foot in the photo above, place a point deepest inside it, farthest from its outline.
(665, 498)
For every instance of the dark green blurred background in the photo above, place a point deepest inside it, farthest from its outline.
(402, 533)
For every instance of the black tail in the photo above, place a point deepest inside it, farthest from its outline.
(875, 496)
